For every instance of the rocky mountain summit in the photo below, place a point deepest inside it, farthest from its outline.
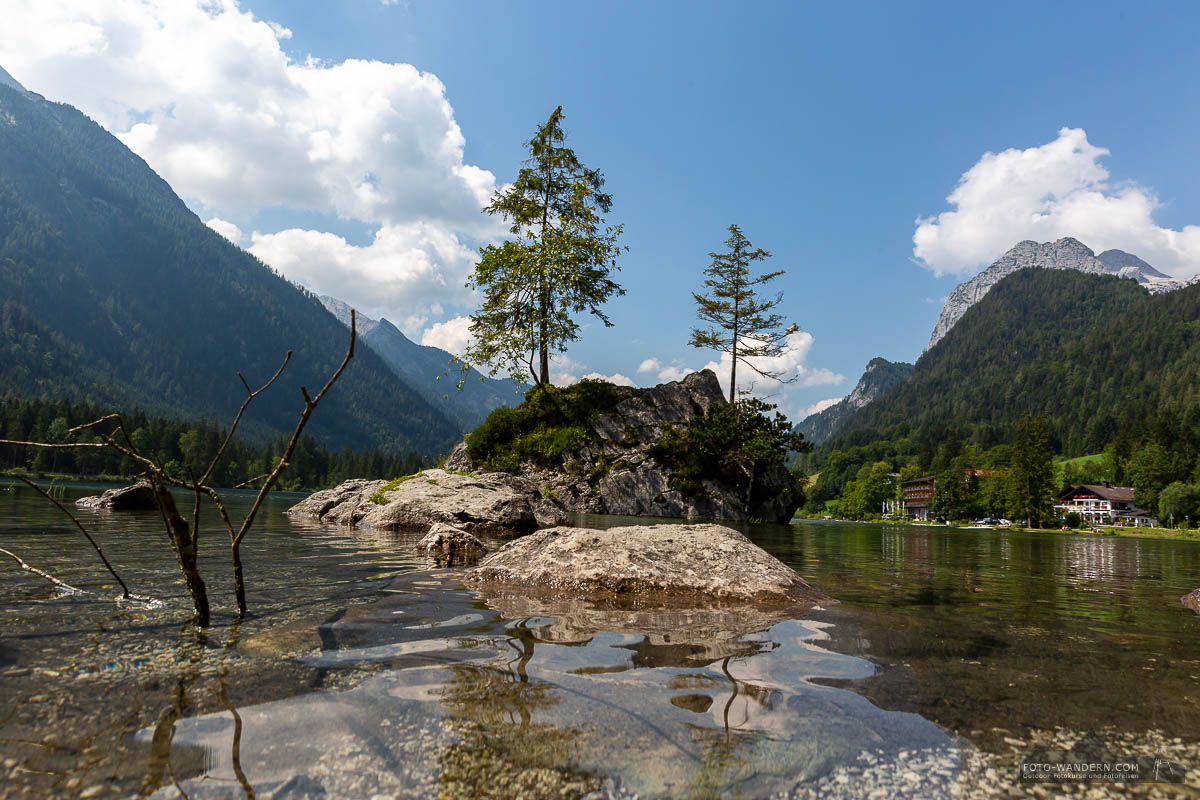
(1066, 253)
(879, 376)
(612, 469)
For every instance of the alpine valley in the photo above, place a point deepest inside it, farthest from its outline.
(115, 293)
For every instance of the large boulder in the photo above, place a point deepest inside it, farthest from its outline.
(647, 562)
(612, 471)
(1192, 601)
(138, 497)
(493, 502)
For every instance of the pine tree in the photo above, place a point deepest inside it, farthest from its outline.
(1031, 477)
(558, 265)
(742, 325)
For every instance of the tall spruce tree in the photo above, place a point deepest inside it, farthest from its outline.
(742, 325)
(1031, 476)
(558, 265)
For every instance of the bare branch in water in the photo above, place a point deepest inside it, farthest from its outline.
(82, 530)
(66, 587)
(310, 405)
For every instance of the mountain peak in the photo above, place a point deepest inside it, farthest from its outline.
(1065, 253)
(9, 80)
(1118, 260)
(879, 376)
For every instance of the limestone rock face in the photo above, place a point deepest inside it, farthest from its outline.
(1066, 253)
(657, 562)
(613, 472)
(138, 497)
(1192, 601)
(492, 502)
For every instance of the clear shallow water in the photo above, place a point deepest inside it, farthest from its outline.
(364, 671)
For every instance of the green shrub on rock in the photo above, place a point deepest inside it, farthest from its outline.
(730, 443)
(550, 422)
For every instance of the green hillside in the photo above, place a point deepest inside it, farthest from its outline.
(115, 293)
(1066, 345)
(1109, 368)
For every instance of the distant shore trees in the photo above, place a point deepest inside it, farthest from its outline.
(558, 265)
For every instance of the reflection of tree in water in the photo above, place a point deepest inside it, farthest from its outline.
(502, 752)
(161, 765)
(724, 751)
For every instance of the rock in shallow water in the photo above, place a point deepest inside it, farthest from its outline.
(1192, 601)
(138, 497)
(447, 541)
(650, 560)
(492, 502)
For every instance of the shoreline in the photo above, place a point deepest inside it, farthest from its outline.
(1179, 534)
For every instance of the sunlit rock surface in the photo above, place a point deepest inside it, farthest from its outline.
(670, 560)
(490, 502)
(1192, 601)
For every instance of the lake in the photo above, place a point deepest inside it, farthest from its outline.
(363, 670)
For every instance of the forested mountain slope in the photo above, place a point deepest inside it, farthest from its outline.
(879, 376)
(1094, 355)
(114, 292)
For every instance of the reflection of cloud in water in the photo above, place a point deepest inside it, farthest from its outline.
(668, 701)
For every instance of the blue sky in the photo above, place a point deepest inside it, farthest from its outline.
(824, 130)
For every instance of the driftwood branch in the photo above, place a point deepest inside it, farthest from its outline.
(66, 587)
(185, 552)
(82, 530)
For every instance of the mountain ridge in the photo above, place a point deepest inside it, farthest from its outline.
(430, 371)
(117, 293)
(878, 376)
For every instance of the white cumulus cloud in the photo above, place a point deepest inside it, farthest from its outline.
(227, 229)
(1045, 193)
(452, 335)
(790, 365)
(205, 92)
(414, 267)
(616, 378)
(819, 406)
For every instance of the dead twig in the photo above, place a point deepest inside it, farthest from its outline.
(66, 587)
(82, 530)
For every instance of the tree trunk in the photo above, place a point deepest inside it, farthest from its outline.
(239, 583)
(185, 552)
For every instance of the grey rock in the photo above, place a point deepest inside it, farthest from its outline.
(1066, 253)
(138, 497)
(459, 459)
(613, 472)
(452, 543)
(646, 492)
(657, 561)
(492, 502)
(1192, 601)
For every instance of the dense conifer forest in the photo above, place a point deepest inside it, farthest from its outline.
(178, 445)
(1109, 370)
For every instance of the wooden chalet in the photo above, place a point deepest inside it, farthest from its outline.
(1104, 504)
